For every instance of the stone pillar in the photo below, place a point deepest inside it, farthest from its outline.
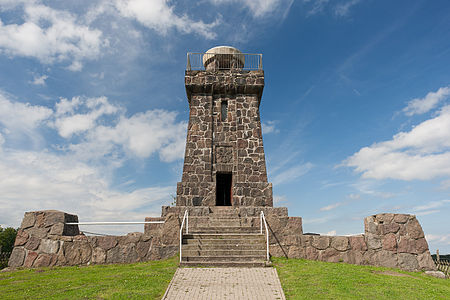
(396, 240)
(38, 239)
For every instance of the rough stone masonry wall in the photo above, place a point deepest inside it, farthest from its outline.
(231, 144)
(390, 240)
(44, 240)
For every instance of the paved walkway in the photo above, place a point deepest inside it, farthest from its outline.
(225, 283)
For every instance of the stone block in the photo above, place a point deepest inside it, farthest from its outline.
(413, 229)
(98, 256)
(385, 218)
(340, 243)
(21, 238)
(39, 233)
(28, 220)
(29, 260)
(373, 242)
(421, 245)
(77, 252)
(311, 253)
(407, 261)
(49, 246)
(406, 245)
(106, 242)
(44, 260)
(389, 228)
(17, 257)
(390, 242)
(330, 255)
(33, 243)
(357, 243)
(425, 261)
(401, 218)
(320, 242)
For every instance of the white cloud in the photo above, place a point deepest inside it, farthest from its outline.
(292, 173)
(269, 127)
(442, 238)
(430, 205)
(63, 178)
(331, 233)
(21, 118)
(422, 153)
(160, 16)
(50, 36)
(67, 123)
(31, 180)
(39, 80)
(258, 8)
(141, 135)
(430, 101)
(343, 9)
(331, 206)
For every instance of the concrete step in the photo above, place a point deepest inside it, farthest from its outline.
(224, 229)
(233, 264)
(224, 252)
(224, 246)
(233, 242)
(223, 236)
(236, 258)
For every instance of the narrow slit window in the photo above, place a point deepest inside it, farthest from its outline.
(224, 110)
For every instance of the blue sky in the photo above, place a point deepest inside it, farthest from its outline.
(355, 111)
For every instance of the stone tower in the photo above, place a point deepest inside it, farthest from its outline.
(224, 162)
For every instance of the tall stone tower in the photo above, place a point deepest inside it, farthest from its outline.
(224, 162)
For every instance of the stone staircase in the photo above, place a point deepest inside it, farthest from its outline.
(224, 239)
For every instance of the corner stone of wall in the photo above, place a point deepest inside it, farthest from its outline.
(44, 239)
(390, 240)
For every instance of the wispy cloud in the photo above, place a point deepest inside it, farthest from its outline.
(269, 127)
(160, 16)
(39, 80)
(430, 205)
(331, 206)
(343, 9)
(292, 173)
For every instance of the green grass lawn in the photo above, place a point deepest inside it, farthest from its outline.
(304, 279)
(301, 279)
(132, 281)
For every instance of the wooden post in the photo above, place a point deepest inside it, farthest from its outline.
(437, 255)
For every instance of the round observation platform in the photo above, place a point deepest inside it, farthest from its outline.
(223, 58)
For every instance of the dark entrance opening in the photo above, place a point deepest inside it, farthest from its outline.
(223, 189)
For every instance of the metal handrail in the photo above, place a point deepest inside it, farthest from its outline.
(114, 223)
(185, 217)
(263, 220)
(219, 61)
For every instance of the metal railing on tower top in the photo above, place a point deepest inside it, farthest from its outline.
(215, 61)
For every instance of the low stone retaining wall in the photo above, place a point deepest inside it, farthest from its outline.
(44, 240)
(390, 240)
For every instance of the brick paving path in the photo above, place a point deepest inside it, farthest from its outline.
(225, 283)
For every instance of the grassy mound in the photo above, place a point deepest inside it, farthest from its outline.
(132, 281)
(304, 279)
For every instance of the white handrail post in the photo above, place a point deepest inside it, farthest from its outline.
(263, 218)
(261, 222)
(187, 222)
(181, 231)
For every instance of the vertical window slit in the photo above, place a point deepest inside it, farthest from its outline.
(223, 110)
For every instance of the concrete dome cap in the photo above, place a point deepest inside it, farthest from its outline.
(226, 53)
